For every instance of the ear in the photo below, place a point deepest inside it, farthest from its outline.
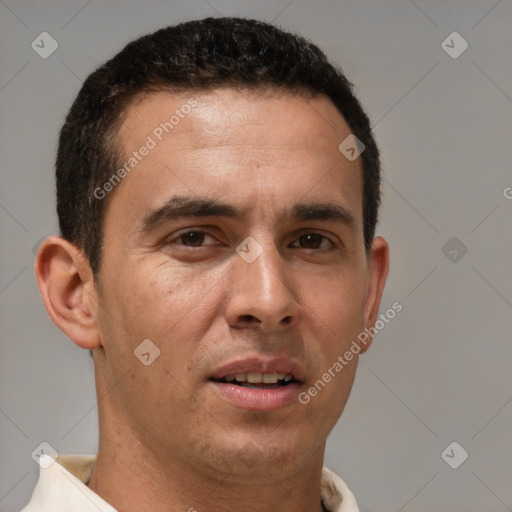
(378, 266)
(66, 283)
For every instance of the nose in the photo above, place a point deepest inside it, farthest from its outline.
(262, 293)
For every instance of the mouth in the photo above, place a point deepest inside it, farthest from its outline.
(255, 380)
(257, 384)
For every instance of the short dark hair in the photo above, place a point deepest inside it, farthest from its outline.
(191, 56)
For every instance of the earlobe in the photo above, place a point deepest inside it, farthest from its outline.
(378, 266)
(66, 284)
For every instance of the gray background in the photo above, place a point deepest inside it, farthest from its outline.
(440, 371)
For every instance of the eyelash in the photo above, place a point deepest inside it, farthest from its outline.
(172, 240)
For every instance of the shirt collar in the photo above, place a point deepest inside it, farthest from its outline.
(335, 494)
(63, 481)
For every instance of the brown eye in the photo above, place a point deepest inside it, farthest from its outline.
(192, 238)
(313, 241)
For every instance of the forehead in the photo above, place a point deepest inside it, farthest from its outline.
(246, 118)
(239, 142)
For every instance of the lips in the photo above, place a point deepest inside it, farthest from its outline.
(257, 384)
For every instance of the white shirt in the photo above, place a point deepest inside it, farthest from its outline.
(62, 488)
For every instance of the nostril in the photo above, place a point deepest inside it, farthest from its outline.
(249, 318)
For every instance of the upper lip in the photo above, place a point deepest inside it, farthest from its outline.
(259, 365)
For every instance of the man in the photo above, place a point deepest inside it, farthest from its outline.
(217, 189)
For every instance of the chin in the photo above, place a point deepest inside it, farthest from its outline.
(263, 454)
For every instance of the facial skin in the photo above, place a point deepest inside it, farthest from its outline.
(168, 437)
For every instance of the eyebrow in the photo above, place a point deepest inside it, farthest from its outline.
(183, 206)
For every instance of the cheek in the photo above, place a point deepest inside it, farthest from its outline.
(339, 303)
(162, 298)
(173, 306)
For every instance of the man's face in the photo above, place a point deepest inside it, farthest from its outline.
(273, 161)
